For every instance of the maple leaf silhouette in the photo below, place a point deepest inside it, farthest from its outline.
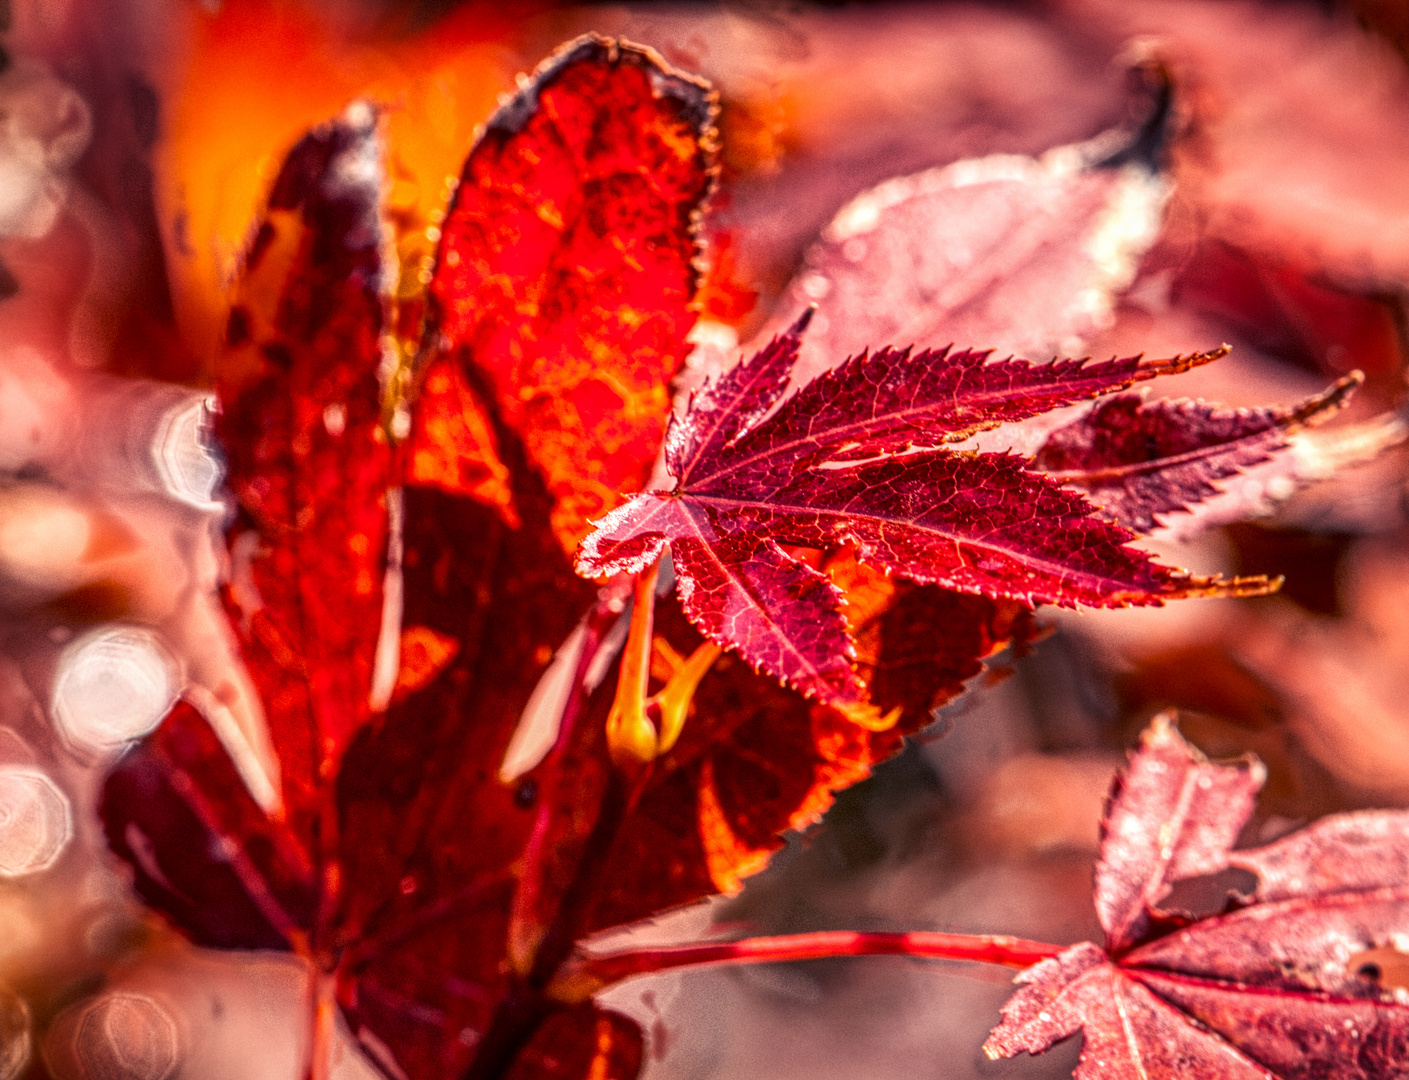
(857, 457)
(1280, 984)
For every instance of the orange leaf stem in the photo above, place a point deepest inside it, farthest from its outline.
(673, 702)
(631, 736)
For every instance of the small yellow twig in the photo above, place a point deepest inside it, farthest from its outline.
(673, 702)
(631, 737)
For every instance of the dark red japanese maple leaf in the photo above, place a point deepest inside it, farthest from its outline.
(857, 458)
(389, 833)
(1283, 983)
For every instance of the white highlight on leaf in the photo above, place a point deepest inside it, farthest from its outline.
(36, 822)
(127, 1036)
(253, 770)
(542, 717)
(386, 664)
(863, 214)
(607, 651)
(537, 730)
(1130, 224)
(113, 686)
(358, 169)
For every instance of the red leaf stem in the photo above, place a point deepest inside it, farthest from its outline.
(594, 973)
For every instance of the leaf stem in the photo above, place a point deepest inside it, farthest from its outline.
(587, 975)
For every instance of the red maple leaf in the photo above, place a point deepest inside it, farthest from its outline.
(1277, 985)
(390, 832)
(857, 458)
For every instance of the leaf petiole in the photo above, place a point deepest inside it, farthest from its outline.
(631, 737)
(641, 729)
(673, 702)
(587, 975)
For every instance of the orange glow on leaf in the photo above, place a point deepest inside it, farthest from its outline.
(257, 74)
(424, 655)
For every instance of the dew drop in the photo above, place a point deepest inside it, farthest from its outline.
(125, 1036)
(36, 823)
(16, 1042)
(184, 453)
(112, 686)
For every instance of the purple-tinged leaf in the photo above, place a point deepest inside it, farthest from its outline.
(722, 412)
(1344, 853)
(1019, 254)
(1139, 460)
(887, 401)
(1173, 815)
(1277, 986)
(1130, 1032)
(747, 592)
(1355, 503)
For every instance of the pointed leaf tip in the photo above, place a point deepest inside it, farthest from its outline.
(1182, 362)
